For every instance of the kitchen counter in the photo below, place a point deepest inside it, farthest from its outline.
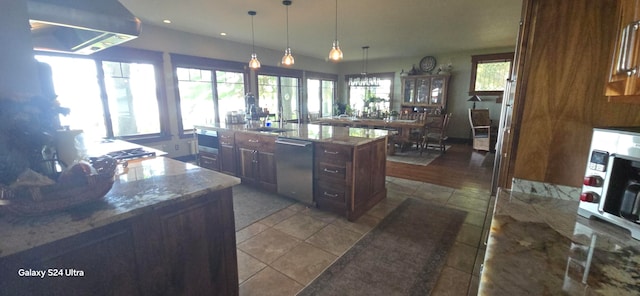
(540, 246)
(312, 132)
(143, 186)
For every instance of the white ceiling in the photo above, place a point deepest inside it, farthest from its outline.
(401, 28)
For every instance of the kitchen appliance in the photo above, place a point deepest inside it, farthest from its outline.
(294, 169)
(611, 187)
(79, 26)
(207, 140)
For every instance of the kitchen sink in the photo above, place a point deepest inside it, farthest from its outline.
(270, 129)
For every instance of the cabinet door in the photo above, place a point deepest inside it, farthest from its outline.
(624, 79)
(247, 163)
(209, 161)
(423, 85)
(267, 170)
(408, 88)
(227, 159)
(436, 91)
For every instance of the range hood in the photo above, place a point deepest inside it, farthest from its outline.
(80, 26)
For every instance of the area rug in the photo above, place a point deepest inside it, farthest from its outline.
(403, 255)
(251, 205)
(412, 156)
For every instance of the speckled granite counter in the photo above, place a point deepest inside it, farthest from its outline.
(540, 246)
(143, 186)
(312, 132)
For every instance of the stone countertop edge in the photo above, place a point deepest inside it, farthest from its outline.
(311, 132)
(145, 185)
(540, 246)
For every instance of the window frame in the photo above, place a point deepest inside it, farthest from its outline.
(488, 58)
(129, 55)
(391, 76)
(321, 77)
(280, 73)
(213, 65)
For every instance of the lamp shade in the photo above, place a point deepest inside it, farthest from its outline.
(475, 98)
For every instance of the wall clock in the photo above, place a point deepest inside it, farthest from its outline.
(428, 63)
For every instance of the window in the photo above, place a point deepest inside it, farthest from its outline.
(320, 94)
(370, 100)
(277, 92)
(129, 107)
(489, 73)
(131, 93)
(207, 89)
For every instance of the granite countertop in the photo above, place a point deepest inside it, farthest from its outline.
(311, 132)
(540, 246)
(143, 186)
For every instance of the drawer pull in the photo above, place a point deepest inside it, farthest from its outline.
(330, 195)
(331, 152)
(330, 171)
(254, 141)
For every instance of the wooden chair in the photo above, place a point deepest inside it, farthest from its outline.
(435, 135)
(481, 129)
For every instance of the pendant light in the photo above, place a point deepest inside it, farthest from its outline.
(253, 63)
(363, 80)
(287, 59)
(336, 54)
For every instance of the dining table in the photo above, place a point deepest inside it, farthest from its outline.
(402, 127)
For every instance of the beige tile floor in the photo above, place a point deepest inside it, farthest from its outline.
(282, 253)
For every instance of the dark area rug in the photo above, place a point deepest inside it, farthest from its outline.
(403, 255)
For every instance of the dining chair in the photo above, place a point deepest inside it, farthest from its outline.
(435, 134)
(482, 132)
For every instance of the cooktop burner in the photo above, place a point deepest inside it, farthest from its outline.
(131, 154)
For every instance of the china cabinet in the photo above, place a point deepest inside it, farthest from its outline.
(426, 91)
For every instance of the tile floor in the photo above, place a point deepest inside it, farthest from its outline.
(282, 253)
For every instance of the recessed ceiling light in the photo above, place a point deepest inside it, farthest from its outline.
(223, 34)
(166, 21)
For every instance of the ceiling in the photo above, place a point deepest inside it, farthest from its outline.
(401, 28)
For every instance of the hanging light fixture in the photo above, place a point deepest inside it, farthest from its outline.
(336, 54)
(287, 59)
(363, 80)
(253, 63)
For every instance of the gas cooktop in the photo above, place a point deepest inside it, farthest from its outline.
(131, 154)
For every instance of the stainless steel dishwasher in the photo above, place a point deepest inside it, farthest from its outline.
(294, 169)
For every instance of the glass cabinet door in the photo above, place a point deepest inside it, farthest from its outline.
(436, 94)
(422, 91)
(408, 88)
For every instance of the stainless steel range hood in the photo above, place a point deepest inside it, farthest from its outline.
(80, 26)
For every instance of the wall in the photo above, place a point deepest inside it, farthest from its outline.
(18, 75)
(458, 92)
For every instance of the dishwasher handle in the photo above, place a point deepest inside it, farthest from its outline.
(292, 142)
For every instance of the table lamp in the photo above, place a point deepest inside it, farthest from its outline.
(474, 99)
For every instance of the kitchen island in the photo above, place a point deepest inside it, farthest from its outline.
(165, 228)
(540, 246)
(349, 164)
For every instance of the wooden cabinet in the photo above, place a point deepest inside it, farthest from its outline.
(426, 91)
(349, 180)
(256, 160)
(624, 76)
(227, 152)
(182, 249)
(208, 160)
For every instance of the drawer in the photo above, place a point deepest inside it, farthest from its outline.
(209, 161)
(333, 153)
(330, 191)
(226, 138)
(256, 142)
(330, 171)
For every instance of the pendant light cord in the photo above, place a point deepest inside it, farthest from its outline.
(253, 41)
(336, 20)
(287, 25)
